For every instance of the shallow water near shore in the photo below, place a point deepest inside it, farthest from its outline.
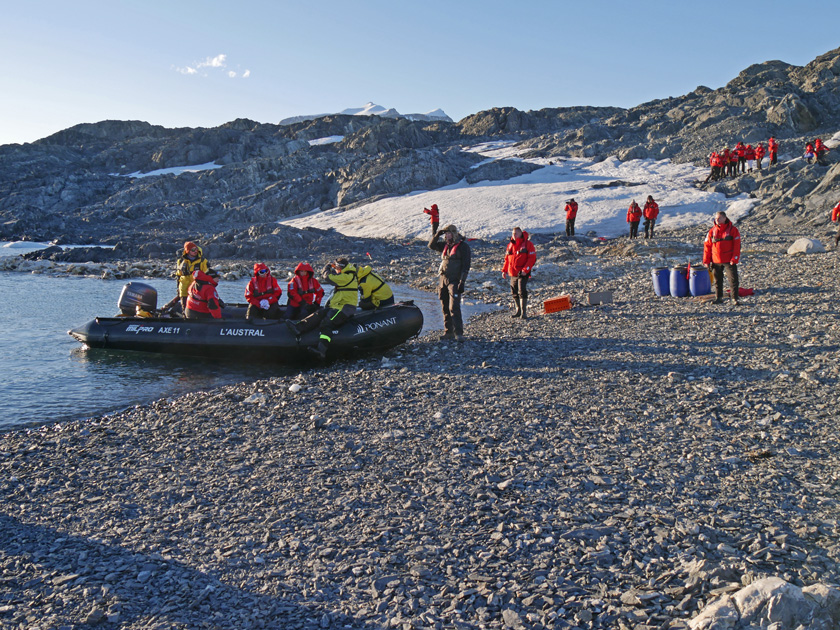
(49, 377)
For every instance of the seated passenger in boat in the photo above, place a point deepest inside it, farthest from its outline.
(304, 292)
(375, 292)
(203, 300)
(263, 294)
(341, 307)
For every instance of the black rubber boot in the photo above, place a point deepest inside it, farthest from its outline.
(319, 351)
(518, 307)
(524, 302)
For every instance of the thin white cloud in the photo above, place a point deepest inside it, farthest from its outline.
(219, 62)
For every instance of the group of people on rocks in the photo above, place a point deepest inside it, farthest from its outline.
(744, 158)
(815, 152)
(635, 213)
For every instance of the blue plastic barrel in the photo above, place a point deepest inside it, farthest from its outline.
(679, 283)
(699, 282)
(660, 281)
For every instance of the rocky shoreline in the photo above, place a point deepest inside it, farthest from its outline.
(619, 466)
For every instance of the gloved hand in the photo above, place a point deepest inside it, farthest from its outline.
(460, 288)
(710, 268)
(264, 305)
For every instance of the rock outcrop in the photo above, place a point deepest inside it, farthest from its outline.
(85, 184)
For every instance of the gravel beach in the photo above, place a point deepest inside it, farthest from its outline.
(616, 466)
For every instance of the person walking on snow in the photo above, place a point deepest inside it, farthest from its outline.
(520, 257)
(434, 217)
(651, 211)
(634, 215)
(455, 262)
(571, 214)
(722, 251)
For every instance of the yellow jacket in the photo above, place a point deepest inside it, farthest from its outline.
(373, 288)
(346, 288)
(184, 270)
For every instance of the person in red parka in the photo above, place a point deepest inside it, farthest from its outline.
(571, 214)
(203, 300)
(434, 217)
(773, 150)
(835, 216)
(759, 155)
(819, 152)
(809, 153)
(263, 294)
(650, 212)
(733, 163)
(304, 291)
(634, 215)
(741, 150)
(722, 251)
(749, 155)
(520, 257)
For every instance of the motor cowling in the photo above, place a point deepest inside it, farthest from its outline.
(136, 294)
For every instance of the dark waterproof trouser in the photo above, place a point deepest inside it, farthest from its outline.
(649, 223)
(519, 286)
(191, 314)
(570, 227)
(634, 229)
(450, 302)
(731, 275)
(329, 320)
(299, 312)
(255, 312)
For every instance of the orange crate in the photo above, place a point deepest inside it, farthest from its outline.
(562, 303)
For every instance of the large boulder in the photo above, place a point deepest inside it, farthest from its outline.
(805, 246)
(772, 601)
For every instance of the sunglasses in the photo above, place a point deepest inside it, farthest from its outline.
(263, 272)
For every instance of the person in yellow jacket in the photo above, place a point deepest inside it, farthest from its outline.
(375, 291)
(192, 259)
(341, 307)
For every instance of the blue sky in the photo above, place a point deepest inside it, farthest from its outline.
(190, 63)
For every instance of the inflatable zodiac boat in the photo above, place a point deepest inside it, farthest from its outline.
(235, 337)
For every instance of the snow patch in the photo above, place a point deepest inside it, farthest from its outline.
(536, 201)
(175, 170)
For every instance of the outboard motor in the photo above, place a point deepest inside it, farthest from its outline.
(136, 294)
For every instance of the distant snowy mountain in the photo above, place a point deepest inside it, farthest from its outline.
(372, 109)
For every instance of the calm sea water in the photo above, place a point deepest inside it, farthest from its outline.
(49, 377)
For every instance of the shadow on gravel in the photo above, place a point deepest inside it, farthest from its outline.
(146, 586)
(653, 358)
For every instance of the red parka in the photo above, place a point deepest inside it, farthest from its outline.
(835, 213)
(819, 147)
(634, 213)
(571, 210)
(651, 210)
(433, 212)
(203, 297)
(772, 146)
(749, 152)
(263, 287)
(520, 256)
(304, 287)
(722, 244)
